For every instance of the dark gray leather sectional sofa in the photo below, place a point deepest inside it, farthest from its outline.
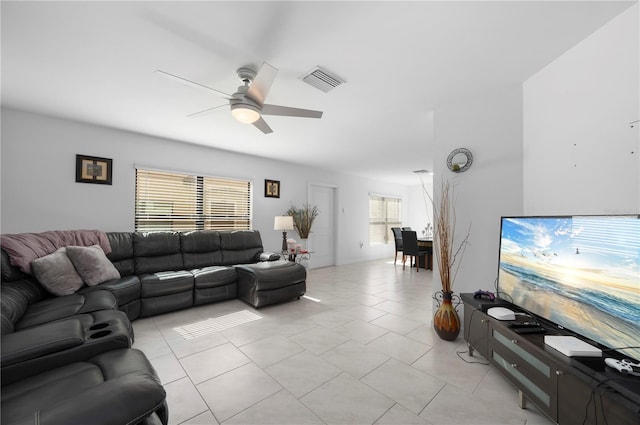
(53, 343)
(162, 272)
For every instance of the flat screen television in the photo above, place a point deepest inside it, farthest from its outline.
(582, 273)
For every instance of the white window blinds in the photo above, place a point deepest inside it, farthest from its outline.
(227, 204)
(384, 213)
(168, 201)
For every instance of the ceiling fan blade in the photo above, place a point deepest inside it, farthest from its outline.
(290, 112)
(194, 84)
(262, 125)
(261, 84)
(206, 111)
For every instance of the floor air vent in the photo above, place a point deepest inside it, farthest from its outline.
(322, 80)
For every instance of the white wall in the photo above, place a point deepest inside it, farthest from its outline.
(39, 191)
(419, 209)
(523, 141)
(491, 128)
(581, 156)
(559, 144)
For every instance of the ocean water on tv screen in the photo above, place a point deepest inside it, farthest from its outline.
(581, 272)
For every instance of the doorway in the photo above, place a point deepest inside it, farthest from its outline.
(322, 239)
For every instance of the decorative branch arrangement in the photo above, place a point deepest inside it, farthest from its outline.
(303, 218)
(447, 255)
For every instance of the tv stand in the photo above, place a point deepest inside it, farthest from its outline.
(569, 390)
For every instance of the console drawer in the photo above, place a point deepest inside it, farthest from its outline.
(509, 343)
(517, 359)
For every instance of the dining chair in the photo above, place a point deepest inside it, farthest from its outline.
(411, 249)
(397, 238)
(406, 228)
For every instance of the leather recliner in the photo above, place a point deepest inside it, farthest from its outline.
(116, 387)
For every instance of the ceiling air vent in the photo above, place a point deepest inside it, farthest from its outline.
(322, 79)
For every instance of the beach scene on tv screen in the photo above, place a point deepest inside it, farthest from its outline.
(582, 273)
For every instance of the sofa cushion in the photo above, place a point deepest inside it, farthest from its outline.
(57, 308)
(15, 298)
(56, 273)
(201, 248)
(121, 254)
(157, 252)
(165, 283)
(240, 247)
(214, 283)
(40, 341)
(9, 271)
(208, 277)
(126, 289)
(166, 303)
(92, 264)
(13, 304)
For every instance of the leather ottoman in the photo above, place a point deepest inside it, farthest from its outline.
(270, 282)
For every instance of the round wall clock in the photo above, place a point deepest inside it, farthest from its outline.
(459, 160)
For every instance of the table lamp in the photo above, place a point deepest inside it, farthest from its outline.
(284, 223)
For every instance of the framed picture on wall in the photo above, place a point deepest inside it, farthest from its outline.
(93, 169)
(271, 189)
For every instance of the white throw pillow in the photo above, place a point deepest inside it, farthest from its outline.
(92, 264)
(56, 273)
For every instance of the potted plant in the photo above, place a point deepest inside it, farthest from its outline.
(448, 254)
(303, 218)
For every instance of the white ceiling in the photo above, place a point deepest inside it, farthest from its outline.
(95, 62)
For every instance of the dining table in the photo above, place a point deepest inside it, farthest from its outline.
(426, 243)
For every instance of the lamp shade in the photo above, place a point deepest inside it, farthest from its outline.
(283, 222)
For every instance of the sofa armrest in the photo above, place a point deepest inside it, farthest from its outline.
(269, 256)
(40, 340)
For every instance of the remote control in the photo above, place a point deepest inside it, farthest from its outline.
(625, 367)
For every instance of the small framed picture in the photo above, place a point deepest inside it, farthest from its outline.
(92, 169)
(271, 189)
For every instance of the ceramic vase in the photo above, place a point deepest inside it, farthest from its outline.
(446, 321)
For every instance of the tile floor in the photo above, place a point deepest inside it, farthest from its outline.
(362, 352)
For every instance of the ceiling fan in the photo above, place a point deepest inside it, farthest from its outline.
(247, 104)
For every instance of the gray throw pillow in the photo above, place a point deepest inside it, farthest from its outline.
(92, 264)
(56, 273)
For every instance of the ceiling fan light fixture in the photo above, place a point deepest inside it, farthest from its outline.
(247, 114)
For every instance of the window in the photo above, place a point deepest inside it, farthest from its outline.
(384, 213)
(167, 201)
